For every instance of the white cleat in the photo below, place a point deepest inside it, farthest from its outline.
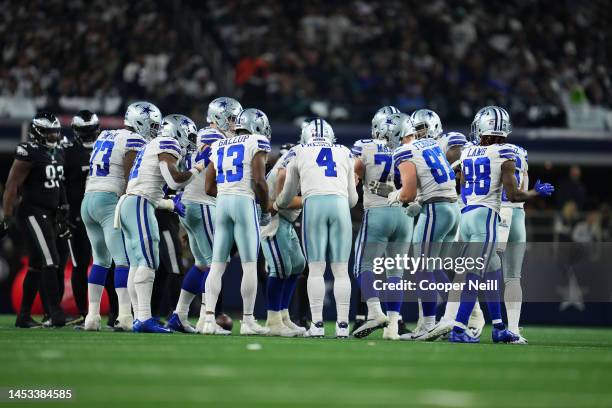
(124, 323)
(200, 324)
(477, 322)
(299, 330)
(220, 331)
(521, 340)
(390, 334)
(342, 330)
(442, 328)
(279, 329)
(252, 328)
(316, 330)
(417, 335)
(209, 327)
(370, 326)
(92, 322)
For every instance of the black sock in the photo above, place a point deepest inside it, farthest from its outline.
(31, 282)
(112, 295)
(79, 288)
(50, 288)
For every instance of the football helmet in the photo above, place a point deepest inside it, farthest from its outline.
(317, 129)
(145, 118)
(45, 129)
(181, 128)
(490, 120)
(427, 123)
(222, 113)
(394, 128)
(381, 115)
(254, 121)
(86, 127)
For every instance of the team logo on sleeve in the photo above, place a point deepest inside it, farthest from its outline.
(21, 151)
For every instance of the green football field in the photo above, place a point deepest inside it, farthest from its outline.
(561, 367)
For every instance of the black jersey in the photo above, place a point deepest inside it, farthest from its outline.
(43, 187)
(76, 170)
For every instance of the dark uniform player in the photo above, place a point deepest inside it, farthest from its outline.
(37, 174)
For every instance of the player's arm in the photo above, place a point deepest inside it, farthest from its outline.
(359, 170)
(17, 176)
(407, 193)
(260, 187)
(513, 193)
(128, 162)
(453, 154)
(353, 197)
(290, 187)
(175, 178)
(296, 202)
(211, 180)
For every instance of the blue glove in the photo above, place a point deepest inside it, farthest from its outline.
(179, 207)
(544, 189)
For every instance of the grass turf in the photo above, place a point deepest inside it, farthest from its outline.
(561, 367)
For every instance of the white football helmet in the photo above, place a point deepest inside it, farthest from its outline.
(394, 128)
(254, 121)
(144, 117)
(490, 120)
(427, 123)
(181, 128)
(317, 129)
(222, 112)
(381, 115)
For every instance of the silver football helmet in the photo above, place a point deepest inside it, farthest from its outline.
(427, 123)
(145, 118)
(381, 115)
(317, 129)
(254, 121)
(222, 113)
(394, 128)
(490, 120)
(181, 128)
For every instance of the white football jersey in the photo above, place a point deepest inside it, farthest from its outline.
(321, 168)
(106, 171)
(481, 169)
(450, 139)
(281, 163)
(522, 180)
(435, 177)
(146, 179)
(195, 191)
(232, 160)
(377, 159)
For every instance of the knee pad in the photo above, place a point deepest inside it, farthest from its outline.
(144, 275)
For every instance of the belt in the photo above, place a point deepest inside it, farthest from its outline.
(440, 200)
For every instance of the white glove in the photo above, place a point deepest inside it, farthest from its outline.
(393, 198)
(380, 189)
(413, 209)
(265, 219)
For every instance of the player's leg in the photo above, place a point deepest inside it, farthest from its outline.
(291, 246)
(513, 262)
(222, 245)
(82, 254)
(339, 247)
(246, 233)
(314, 243)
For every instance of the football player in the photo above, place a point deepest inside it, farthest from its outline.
(237, 179)
(38, 174)
(114, 152)
(323, 172)
(155, 167)
(384, 229)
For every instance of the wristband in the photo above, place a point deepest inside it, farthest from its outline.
(165, 204)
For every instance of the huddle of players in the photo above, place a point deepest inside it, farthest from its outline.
(227, 197)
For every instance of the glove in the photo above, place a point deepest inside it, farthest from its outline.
(544, 189)
(393, 198)
(64, 226)
(179, 207)
(4, 226)
(380, 189)
(413, 209)
(265, 219)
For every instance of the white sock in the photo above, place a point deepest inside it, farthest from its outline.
(316, 289)
(513, 298)
(342, 290)
(182, 306)
(213, 285)
(274, 317)
(132, 290)
(123, 299)
(203, 305)
(94, 292)
(143, 282)
(248, 287)
(374, 309)
(394, 317)
(454, 299)
(285, 315)
(429, 322)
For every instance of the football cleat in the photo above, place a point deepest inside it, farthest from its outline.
(150, 326)
(442, 328)
(92, 322)
(521, 340)
(370, 326)
(358, 323)
(220, 331)
(279, 329)
(175, 324)
(390, 333)
(462, 336)
(476, 322)
(26, 322)
(250, 327)
(124, 323)
(342, 330)
(316, 330)
(298, 329)
(503, 335)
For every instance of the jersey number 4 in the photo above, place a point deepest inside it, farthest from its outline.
(99, 164)
(326, 159)
(235, 172)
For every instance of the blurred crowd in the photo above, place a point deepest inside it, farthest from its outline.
(338, 59)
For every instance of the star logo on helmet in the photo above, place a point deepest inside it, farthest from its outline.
(389, 121)
(185, 122)
(430, 114)
(146, 109)
(223, 104)
(259, 114)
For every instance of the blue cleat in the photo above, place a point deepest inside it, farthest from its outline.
(504, 336)
(150, 326)
(136, 326)
(456, 336)
(175, 324)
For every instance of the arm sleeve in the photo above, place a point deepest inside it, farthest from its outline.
(134, 142)
(456, 139)
(263, 145)
(165, 172)
(507, 153)
(400, 156)
(23, 153)
(291, 186)
(353, 197)
(170, 146)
